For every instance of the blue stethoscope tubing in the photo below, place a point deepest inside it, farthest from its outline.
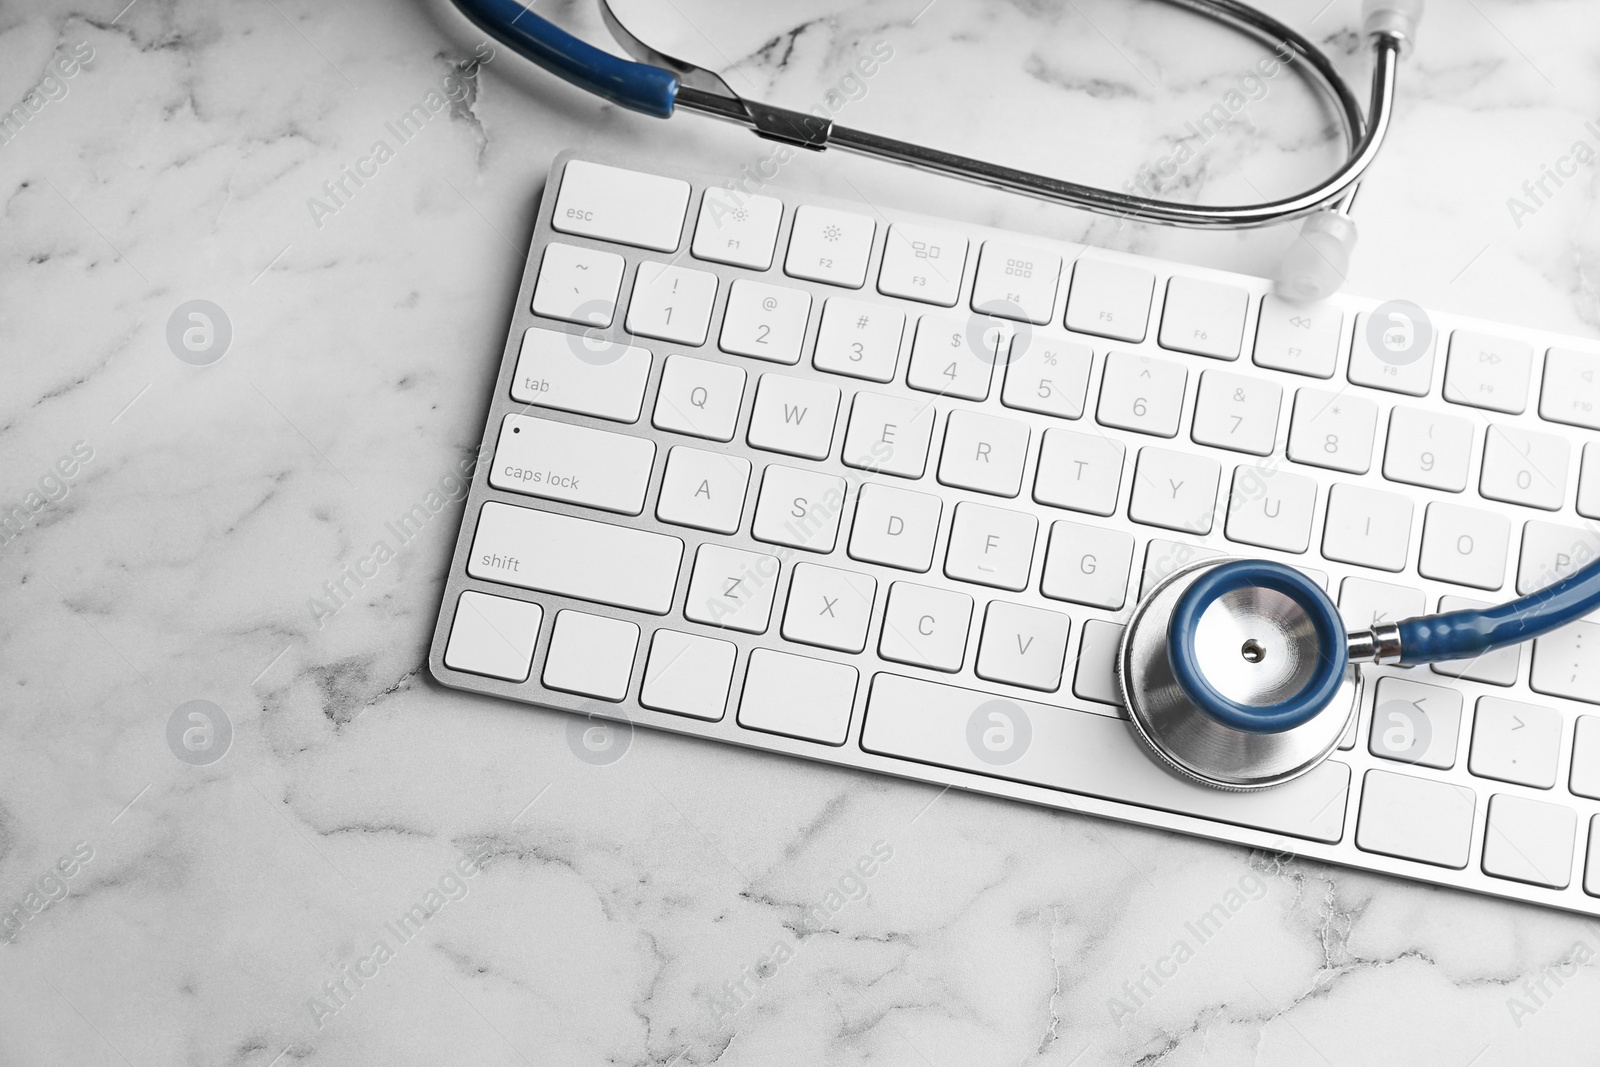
(640, 87)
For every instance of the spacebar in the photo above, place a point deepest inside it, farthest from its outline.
(1077, 752)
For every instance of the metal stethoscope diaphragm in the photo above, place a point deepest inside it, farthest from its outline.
(1239, 674)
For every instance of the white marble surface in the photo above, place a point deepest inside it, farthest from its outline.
(615, 902)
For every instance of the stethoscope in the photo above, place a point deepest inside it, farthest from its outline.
(1236, 673)
(1313, 269)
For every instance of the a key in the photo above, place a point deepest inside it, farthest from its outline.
(798, 508)
(983, 452)
(1426, 448)
(1203, 318)
(1081, 471)
(765, 321)
(944, 359)
(1175, 490)
(732, 588)
(1095, 675)
(737, 228)
(1566, 664)
(1585, 780)
(1141, 393)
(798, 696)
(561, 461)
(1047, 374)
(1591, 873)
(794, 416)
(859, 339)
(688, 674)
(829, 246)
(1163, 558)
(1515, 742)
(590, 655)
(925, 627)
(1529, 841)
(1237, 412)
(1403, 365)
(1365, 603)
(1110, 299)
(703, 489)
(1499, 667)
(1023, 646)
(571, 372)
(671, 303)
(1082, 754)
(1416, 819)
(699, 397)
(1464, 545)
(1016, 282)
(493, 636)
(895, 527)
(1087, 565)
(578, 284)
(1551, 552)
(1571, 389)
(1524, 467)
(923, 263)
(1589, 482)
(1488, 372)
(828, 607)
(991, 546)
(575, 557)
(1368, 527)
(1415, 723)
(1299, 338)
(612, 204)
(1332, 430)
(1271, 508)
(889, 434)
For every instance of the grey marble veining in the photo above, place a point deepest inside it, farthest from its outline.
(382, 871)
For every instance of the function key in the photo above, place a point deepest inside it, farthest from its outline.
(613, 204)
(921, 263)
(1402, 361)
(1299, 338)
(737, 229)
(1110, 299)
(1016, 282)
(830, 246)
(1488, 372)
(1203, 318)
(1571, 392)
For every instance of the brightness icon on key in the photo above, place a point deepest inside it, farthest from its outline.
(831, 232)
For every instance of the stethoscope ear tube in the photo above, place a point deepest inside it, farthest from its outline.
(635, 86)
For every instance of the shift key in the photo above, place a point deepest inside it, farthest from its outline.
(561, 461)
(569, 556)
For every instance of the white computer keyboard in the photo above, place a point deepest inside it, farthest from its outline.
(819, 478)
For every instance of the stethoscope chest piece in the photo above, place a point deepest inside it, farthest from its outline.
(1236, 673)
